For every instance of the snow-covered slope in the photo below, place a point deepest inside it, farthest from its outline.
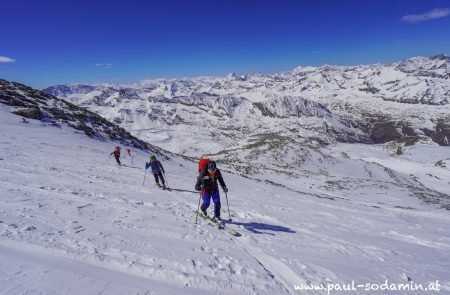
(368, 104)
(71, 221)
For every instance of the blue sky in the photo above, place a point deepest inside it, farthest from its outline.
(48, 42)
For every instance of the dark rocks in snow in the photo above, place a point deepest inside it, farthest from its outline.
(264, 110)
(30, 113)
(440, 56)
(385, 131)
(441, 134)
(369, 88)
(441, 163)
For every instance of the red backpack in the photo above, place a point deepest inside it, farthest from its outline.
(204, 160)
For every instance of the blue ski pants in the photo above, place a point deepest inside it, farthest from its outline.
(206, 196)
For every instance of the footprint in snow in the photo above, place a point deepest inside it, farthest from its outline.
(79, 229)
(29, 228)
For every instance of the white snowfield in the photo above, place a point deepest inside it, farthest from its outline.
(73, 222)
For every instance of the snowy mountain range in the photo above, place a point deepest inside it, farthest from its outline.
(320, 105)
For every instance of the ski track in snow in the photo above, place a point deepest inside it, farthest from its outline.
(71, 220)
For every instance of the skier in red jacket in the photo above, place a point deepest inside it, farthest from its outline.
(116, 154)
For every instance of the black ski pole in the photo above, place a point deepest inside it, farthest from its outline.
(198, 207)
(144, 177)
(229, 216)
(165, 178)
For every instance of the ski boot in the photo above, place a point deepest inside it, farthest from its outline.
(205, 214)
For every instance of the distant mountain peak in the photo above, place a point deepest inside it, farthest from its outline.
(440, 56)
(232, 75)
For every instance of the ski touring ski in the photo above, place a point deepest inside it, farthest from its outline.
(164, 188)
(218, 224)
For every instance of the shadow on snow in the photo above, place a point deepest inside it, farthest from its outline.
(263, 228)
(184, 190)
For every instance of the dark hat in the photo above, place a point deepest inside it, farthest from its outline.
(211, 165)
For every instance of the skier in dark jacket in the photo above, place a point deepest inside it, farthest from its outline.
(207, 184)
(157, 170)
(116, 154)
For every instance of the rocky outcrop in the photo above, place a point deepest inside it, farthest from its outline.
(34, 104)
(441, 134)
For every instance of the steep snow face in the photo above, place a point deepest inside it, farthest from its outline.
(71, 219)
(328, 104)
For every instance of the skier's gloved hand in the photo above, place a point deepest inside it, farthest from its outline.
(225, 189)
(197, 188)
